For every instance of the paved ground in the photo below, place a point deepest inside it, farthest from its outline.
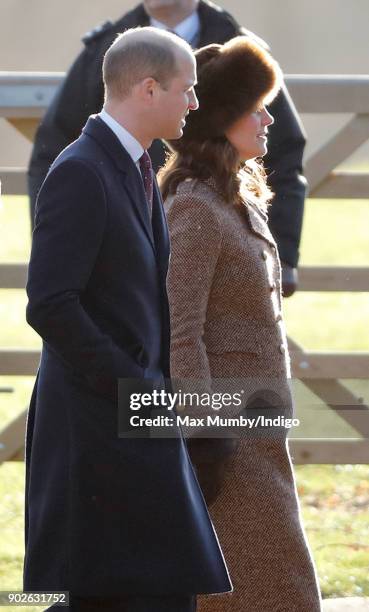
(346, 604)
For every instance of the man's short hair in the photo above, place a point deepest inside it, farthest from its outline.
(139, 53)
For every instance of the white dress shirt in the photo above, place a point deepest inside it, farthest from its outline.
(129, 142)
(188, 29)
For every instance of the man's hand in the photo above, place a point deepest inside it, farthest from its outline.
(289, 280)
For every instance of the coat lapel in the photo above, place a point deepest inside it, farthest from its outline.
(160, 230)
(258, 222)
(99, 131)
(135, 190)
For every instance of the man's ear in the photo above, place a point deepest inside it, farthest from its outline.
(147, 89)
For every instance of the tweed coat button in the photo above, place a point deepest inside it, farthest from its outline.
(272, 286)
(282, 348)
(264, 254)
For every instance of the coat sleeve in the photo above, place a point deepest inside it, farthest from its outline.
(284, 167)
(69, 228)
(80, 95)
(195, 245)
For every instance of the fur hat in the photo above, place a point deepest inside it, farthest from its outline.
(232, 79)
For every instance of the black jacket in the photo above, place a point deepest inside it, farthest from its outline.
(81, 95)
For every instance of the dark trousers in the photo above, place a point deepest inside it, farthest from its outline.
(179, 603)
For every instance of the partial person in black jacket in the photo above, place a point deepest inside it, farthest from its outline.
(201, 23)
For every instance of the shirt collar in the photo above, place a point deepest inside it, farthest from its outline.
(186, 29)
(129, 142)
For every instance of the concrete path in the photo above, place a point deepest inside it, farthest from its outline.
(346, 604)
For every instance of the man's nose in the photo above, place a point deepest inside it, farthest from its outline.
(193, 102)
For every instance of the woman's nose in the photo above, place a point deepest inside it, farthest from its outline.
(267, 118)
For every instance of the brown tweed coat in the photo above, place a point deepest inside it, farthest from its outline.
(225, 299)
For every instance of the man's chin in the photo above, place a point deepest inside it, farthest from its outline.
(176, 135)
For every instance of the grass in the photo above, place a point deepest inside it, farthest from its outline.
(11, 528)
(335, 508)
(334, 498)
(334, 233)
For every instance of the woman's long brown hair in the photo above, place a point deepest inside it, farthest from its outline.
(218, 159)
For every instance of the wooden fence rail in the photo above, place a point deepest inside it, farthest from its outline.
(23, 100)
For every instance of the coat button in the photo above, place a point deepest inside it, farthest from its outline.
(278, 318)
(272, 286)
(264, 254)
(282, 348)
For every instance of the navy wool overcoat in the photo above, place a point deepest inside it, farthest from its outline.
(105, 516)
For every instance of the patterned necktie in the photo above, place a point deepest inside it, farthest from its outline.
(147, 177)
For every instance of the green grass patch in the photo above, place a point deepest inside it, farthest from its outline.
(335, 509)
(12, 530)
(335, 233)
(15, 241)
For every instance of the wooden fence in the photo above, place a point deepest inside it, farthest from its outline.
(23, 100)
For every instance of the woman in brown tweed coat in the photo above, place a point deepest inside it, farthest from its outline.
(225, 296)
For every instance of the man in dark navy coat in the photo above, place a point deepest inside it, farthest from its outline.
(120, 523)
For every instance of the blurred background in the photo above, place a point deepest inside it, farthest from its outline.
(307, 37)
